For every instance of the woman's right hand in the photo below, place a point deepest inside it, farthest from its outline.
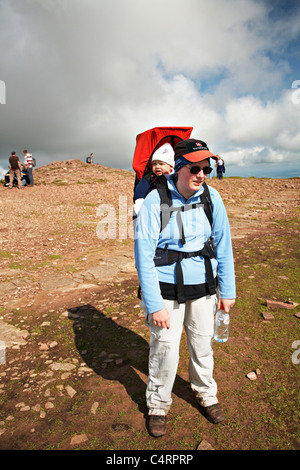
(161, 318)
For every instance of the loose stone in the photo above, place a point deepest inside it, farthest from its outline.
(64, 366)
(251, 376)
(79, 439)
(204, 445)
(94, 407)
(49, 405)
(70, 391)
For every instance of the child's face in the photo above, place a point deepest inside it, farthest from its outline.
(161, 168)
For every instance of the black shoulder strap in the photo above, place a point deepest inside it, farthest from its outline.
(206, 201)
(166, 202)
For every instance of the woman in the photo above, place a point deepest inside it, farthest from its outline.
(185, 235)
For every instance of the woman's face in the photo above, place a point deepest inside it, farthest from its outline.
(188, 183)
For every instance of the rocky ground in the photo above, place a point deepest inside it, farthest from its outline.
(73, 363)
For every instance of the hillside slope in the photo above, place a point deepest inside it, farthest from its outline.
(76, 345)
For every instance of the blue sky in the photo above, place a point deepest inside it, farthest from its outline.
(88, 76)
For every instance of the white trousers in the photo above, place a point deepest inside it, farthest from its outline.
(197, 317)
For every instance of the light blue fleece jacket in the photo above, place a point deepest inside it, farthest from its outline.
(197, 231)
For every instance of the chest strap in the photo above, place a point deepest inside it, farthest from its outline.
(165, 257)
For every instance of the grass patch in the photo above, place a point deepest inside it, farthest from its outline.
(7, 254)
(16, 265)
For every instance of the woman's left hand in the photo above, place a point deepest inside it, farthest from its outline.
(227, 304)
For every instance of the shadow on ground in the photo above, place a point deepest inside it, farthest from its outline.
(117, 353)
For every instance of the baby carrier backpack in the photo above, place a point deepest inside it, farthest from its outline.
(147, 143)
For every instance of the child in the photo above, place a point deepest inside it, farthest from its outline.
(162, 164)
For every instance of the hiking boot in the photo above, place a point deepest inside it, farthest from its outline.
(157, 425)
(213, 413)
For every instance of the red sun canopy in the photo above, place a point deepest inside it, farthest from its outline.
(149, 141)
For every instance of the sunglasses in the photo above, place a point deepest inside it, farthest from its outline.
(196, 169)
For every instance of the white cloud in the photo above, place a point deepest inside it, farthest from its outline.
(273, 124)
(246, 156)
(249, 120)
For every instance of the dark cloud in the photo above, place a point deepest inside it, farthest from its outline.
(89, 76)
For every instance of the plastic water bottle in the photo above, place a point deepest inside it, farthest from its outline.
(221, 332)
